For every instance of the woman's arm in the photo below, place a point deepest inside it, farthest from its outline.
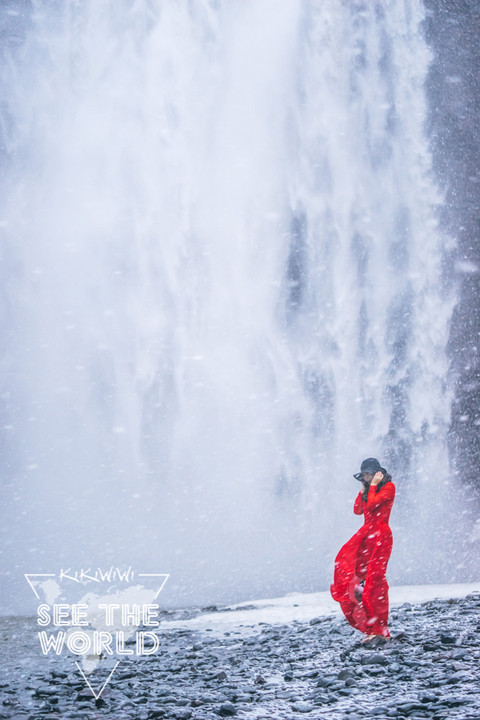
(374, 499)
(358, 506)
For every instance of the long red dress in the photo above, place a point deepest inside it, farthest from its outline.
(364, 558)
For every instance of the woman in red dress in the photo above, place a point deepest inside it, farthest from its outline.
(359, 583)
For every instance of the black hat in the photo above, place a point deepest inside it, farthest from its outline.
(370, 466)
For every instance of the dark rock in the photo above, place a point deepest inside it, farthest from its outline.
(409, 707)
(59, 674)
(227, 709)
(457, 677)
(393, 667)
(447, 639)
(436, 682)
(85, 694)
(325, 682)
(166, 699)
(455, 701)
(406, 677)
(413, 663)
(375, 670)
(302, 707)
(125, 675)
(249, 689)
(320, 698)
(286, 695)
(374, 659)
(46, 690)
(430, 647)
(182, 714)
(222, 675)
(208, 698)
(379, 710)
(426, 697)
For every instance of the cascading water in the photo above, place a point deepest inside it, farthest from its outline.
(222, 289)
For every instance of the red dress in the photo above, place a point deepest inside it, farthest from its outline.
(364, 558)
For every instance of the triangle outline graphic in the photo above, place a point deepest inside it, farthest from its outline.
(159, 575)
(97, 695)
(27, 577)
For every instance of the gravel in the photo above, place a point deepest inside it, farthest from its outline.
(318, 669)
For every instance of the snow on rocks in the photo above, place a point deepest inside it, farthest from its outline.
(290, 671)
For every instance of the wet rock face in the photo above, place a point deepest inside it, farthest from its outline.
(453, 32)
(428, 670)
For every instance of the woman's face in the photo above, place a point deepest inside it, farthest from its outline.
(367, 477)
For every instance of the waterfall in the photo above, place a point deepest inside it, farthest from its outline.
(224, 286)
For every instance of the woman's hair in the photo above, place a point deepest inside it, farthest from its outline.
(386, 478)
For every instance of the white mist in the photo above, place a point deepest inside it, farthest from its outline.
(223, 278)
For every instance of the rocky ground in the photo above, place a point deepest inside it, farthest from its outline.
(430, 669)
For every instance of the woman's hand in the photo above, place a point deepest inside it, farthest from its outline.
(377, 478)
